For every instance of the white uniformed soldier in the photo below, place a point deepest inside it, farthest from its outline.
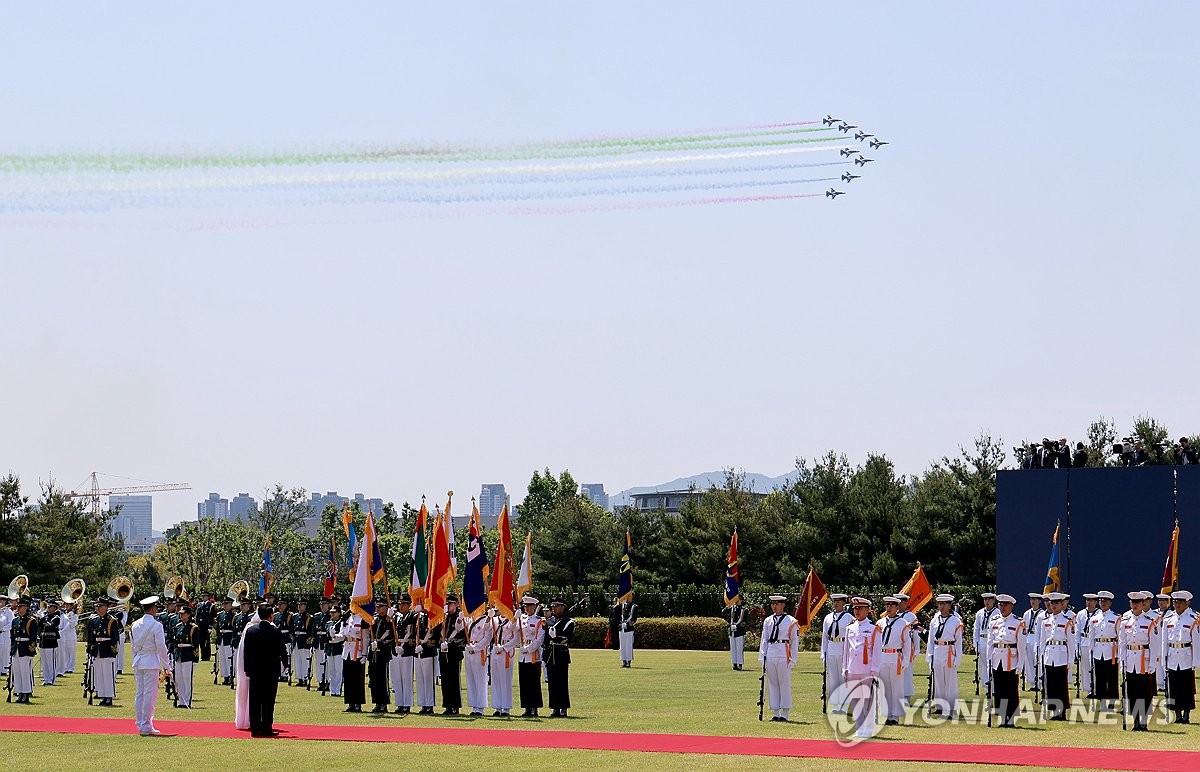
(914, 646)
(150, 658)
(475, 656)
(1056, 651)
(103, 631)
(7, 615)
(737, 634)
(862, 649)
(983, 618)
(402, 666)
(777, 652)
(531, 634)
(944, 652)
(1103, 632)
(832, 629)
(1083, 641)
(1161, 613)
(503, 659)
(1032, 619)
(25, 634)
(1006, 647)
(68, 626)
(1139, 646)
(896, 648)
(1180, 638)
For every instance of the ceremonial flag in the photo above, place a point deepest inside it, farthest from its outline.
(525, 580)
(266, 574)
(377, 571)
(440, 573)
(330, 572)
(918, 590)
(733, 580)
(362, 597)
(500, 591)
(812, 598)
(450, 538)
(475, 588)
(1170, 582)
(351, 539)
(625, 576)
(1053, 576)
(420, 558)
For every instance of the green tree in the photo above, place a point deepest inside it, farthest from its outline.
(281, 510)
(1101, 434)
(67, 541)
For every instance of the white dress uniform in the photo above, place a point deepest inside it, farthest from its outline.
(67, 642)
(1083, 645)
(777, 652)
(944, 653)
(1180, 638)
(861, 651)
(6, 623)
(1006, 647)
(104, 669)
(425, 665)
(833, 627)
(123, 618)
(1163, 616)
(503, 658)
(1140, 650)
(914, 648)
(896, 649)
(333, 662)
(401, 668)
(1056, 651)
(1032, 620)
(983, 618)
(475, 657)
(149, 657)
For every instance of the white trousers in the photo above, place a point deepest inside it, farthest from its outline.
(334, 663)
(145, 698)
(892, 684)
(49, 666)
(1029, 666)
(5, 651)
(1085, 670)
(104, 677)
(833, 677)
(318, 664)
(945, 687)
(224, 660)
(981, 668)
(425, 681)
(737, 649)
(779, 684)
(626, 645)
(861, 704)
(909, 689)
(285, 667)
(184, 673)
(120, 652)
(400, 671)
(300, 663)
(66, 655)
(477, 681)
(502, 681)
(22, 675)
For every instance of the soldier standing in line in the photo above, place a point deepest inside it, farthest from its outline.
(186, 639)
(1032, 619)
(983, 618)
(914, 646)
(334, 640)
(503, 654)
(628, 619)
(1138, 642)
(226, 633)
(944, 652)
(302, 643)
(1180, 639)
(896, 648)
(401, 667)
(103, 631)
(450, 659)
(383, 642)
(1006, 647)
(356, 635)
(320, 633)
(1161, 613)
(560, 629)
(283, 620)
(428, 638)
(1103, 631)
(1056, 649)
(778, 651)
(1083, 641)
(50, 634)
(737, 634)
(832, 629)
(862, 650)
(206, 614)
(529, 669)
(478, 642)
(26, 631)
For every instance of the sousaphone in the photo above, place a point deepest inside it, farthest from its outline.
(73, 591)
(239, 591)
(18, 587)
(174, 589)
(120, 589)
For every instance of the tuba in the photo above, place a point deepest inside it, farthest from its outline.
(173, 590)
(239, 591)
(73, 591)
(120, 589)
(18, 587)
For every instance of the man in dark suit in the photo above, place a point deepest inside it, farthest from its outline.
(264, 654)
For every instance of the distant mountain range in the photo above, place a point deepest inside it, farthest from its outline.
(759, 483)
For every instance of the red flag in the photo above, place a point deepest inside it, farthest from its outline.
(1170, 582)
(918, 590)
(812, 598)
(441, 572)
(330, 572)
(500, 589)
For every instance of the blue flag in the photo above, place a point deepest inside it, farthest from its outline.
(266, 574)
(1053, 575)
(625, 577)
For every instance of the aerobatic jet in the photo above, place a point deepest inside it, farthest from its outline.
(848, 176)
(861, 135)
(829, 120)
(831, 193)
(863, 161)
(845, 127)
(849, 152)
(878, 143)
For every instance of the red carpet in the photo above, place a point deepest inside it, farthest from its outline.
(1019, 755)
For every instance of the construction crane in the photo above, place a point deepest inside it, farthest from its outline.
(96, 492)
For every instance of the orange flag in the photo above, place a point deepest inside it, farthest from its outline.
(441, 573)
(918, 590)
(500, 591)
(812, 598)
(1170, 582)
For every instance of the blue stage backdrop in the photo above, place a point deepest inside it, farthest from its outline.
(1116, 526)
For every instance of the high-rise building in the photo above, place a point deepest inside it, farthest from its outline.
(136, 517)
(241, 505)
(214, 506)
(595, 493)
(491, 501)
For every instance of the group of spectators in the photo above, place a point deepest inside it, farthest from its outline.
(1057, 454)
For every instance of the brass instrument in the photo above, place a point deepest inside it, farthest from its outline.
(174, 590)
(239, 591)
(18, 587)
(73, 591)
(120, 589)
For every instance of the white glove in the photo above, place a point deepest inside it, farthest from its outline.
(445, 646)
(374, 646)
(420, 648)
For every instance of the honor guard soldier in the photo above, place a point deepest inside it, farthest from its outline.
(68, 636)
(479, 641)
(333, 651)
(737, 634)
(1006, 647)
(400, 669)
(1161, 613)
(7, 615)
(187, 639)
(503, 658)
(777, 652)
(226, 633)
(832, 629)
(1083, 641)
(1179, 644)
(383, 642)
(103, 632)
(428, 638)
(896, 649)
(627, 621)
(320, 633)
(944, 652)
(862, 650)
(454, 640)
(122, 617)
(206, 615)
(983, 618)
(303, 640)
(1031, 619)
(150, 661)
(50, 634)
(168, 617)
(356, 644)
(26, 631)
(914, 645)
(1056, 650)
(283, 620)
(1139, 645)
(1105, 654)
(560, 629)
(532, 633)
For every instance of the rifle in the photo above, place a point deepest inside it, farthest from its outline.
(976, 671)
(1167, 685)
(322, 684)
(991, 677)
(1124, 677)
(1078, 660)
(89, 673)
(929, 693)
(9, 687)
(308, 681)
(762, 687)
(824, 685)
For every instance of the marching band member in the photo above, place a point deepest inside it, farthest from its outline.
(186, 656)
(26, 631)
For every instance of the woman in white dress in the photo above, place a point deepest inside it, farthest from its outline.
(241, 703)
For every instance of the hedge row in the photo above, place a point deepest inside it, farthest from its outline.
(694, 633)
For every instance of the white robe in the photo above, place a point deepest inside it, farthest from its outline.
(241, 703)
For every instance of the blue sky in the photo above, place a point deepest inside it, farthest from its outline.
(1018, 261)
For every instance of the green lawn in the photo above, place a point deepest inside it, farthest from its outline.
(665, 691)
